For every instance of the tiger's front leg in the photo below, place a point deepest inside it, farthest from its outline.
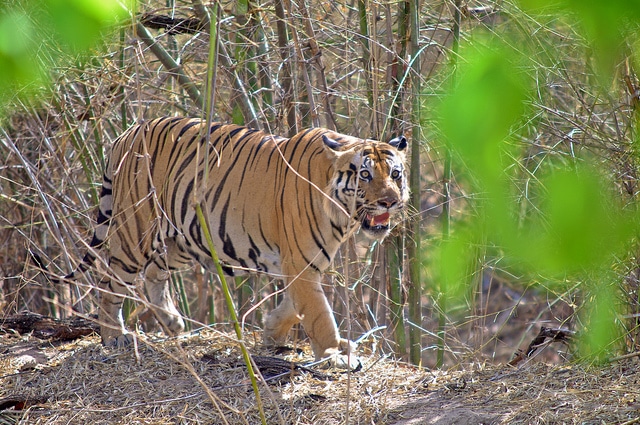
(305, 301)
(159, 293)
(112, 328)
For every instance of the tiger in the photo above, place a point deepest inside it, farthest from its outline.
(273, 205)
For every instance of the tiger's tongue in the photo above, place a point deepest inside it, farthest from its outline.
(379, 219)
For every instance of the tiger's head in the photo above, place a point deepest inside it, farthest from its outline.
(369, 182)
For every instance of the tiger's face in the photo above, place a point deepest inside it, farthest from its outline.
(370, 182)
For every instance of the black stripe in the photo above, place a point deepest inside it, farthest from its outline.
(196, 236)
(184, 198)
(126, 268)
(227, 243)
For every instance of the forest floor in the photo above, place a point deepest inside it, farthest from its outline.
(199, 378)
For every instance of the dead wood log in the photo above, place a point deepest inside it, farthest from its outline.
(21, 401)
(44, 327)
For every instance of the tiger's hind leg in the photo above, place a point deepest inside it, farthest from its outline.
(279, 321)
(157, 277)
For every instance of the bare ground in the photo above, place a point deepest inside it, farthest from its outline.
(200, 379)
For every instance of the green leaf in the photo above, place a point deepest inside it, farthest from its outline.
(478, 115)
(79, 24)
(19, 66)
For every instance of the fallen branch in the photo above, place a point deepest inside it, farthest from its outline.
(545, 337)
(174, 26)
(44, 327)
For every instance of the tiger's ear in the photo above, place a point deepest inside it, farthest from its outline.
(399, 143)
(331, 144)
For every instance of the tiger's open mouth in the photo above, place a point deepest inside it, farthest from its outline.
(375, 223)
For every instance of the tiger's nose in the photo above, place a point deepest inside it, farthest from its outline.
(387, 202)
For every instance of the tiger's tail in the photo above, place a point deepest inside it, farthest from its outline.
(103, 220)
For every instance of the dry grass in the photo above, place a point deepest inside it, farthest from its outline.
(200, 379)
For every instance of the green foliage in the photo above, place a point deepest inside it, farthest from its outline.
(79, 24)
(33, 34)
(479, 112)
(603, 330)
(574, 228)
(606, 24)
(579, 226)
(18, 64)
(452, 263)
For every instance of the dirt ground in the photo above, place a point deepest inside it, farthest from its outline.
(200, 378)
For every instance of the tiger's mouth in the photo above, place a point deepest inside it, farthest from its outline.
(376, 225)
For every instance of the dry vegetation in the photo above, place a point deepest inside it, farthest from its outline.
(200, 379)
(52, 151)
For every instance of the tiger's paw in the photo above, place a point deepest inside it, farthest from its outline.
(173, 324)
(343, 357)
(347, 362)
(118, 341)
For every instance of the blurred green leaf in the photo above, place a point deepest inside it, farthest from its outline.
(452, 262)
(580, 227)
(79, 24)
(478, 114)
(18, 64)
(605, 24)
(34, 34)
(603, 331)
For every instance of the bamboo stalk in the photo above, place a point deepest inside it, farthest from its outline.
(446, 201)
(286, 81)
(366, 48)
(183, 300)
(246, 67)
(264, 72)
(413, 248)
(121, 93)
(232, 311)
(299, 58)
(248, 111)
(395, 251)
(316, 56)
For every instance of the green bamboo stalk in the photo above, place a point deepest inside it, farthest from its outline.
(232, 310)
(413, 248)
(121, 92)
(299, 58)
(248, 111)
(264, 73)
(212, 66)
(213, 22)
(246, 65)
(183, 300)
(316, 55)
(446, 201)
(395, 251)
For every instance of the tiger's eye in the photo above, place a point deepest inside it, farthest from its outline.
(395, 174)
(365, 174)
